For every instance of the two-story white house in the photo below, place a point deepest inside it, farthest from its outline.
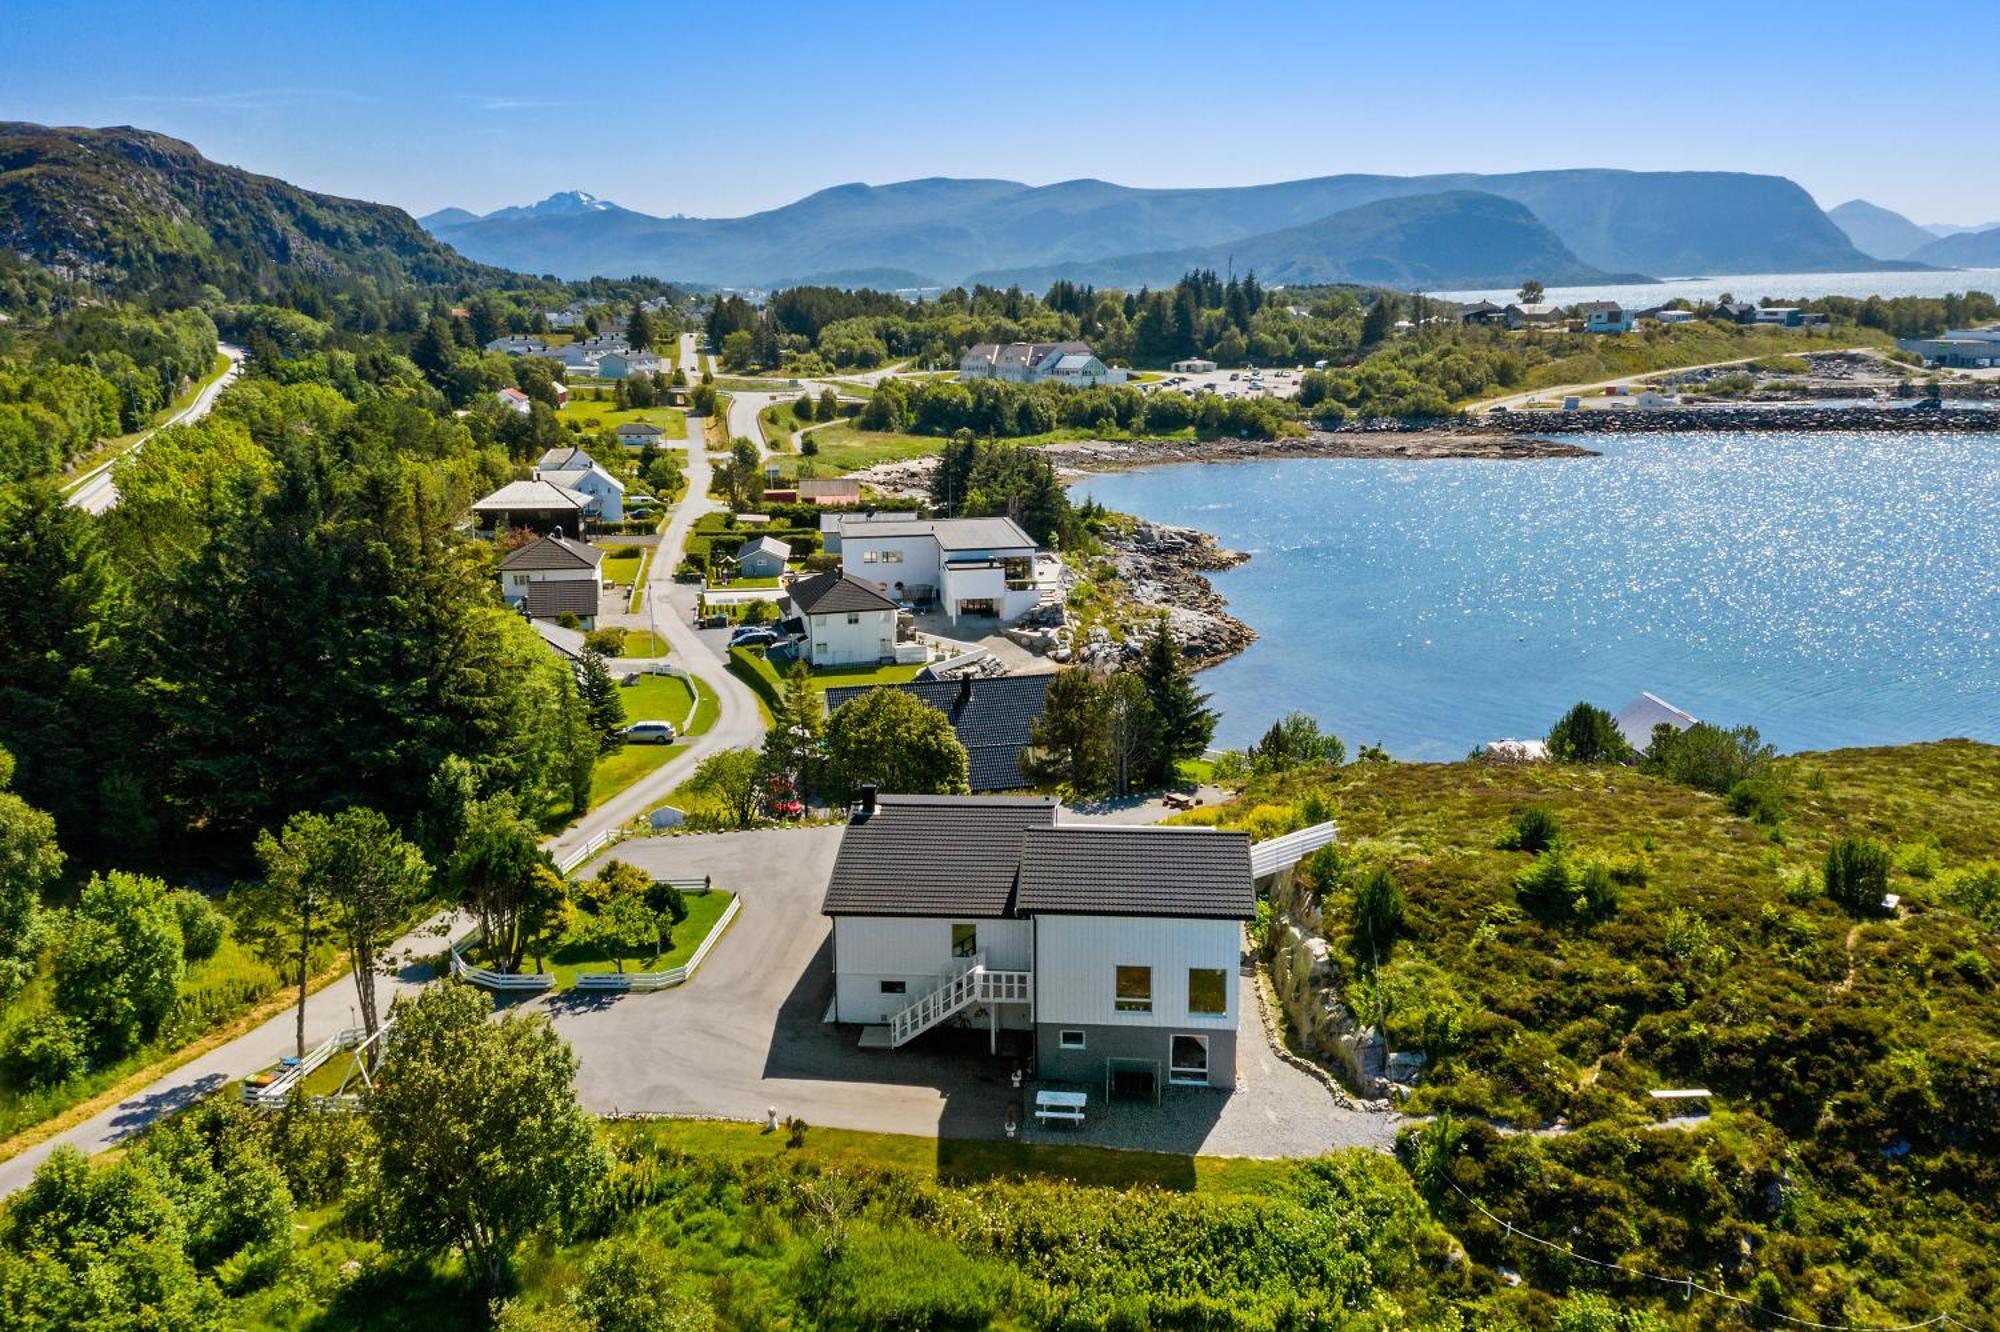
(1118, 948)
(552, 576)
(842, 621)
(573, 469)
(1605, 317)
(1033, 362)
(968, 566)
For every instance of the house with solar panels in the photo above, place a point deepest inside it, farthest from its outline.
(1105, 954)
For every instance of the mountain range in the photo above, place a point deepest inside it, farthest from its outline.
(131, 210)
(945, 230)
(1889, 235)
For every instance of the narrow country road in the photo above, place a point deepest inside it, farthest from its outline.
(671, 604)
(93, 492)
(332, 1008)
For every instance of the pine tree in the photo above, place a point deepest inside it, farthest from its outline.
(1183, 723)
(601, 704)
(639, 328)
(1378, 323)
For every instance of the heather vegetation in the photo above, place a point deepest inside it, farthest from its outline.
(1573, 936)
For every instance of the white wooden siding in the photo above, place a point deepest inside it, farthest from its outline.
(861, 643)
(916, 950)
(1077, 958)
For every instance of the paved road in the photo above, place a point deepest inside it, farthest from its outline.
(329, 1011)
(94, 492)
(739, 723)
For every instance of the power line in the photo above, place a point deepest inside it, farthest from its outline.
(1689, 1283)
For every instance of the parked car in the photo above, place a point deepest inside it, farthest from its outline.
(651, 733)
(754, 637)
(716, 621)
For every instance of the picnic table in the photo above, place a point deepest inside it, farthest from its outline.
(1060, 1105)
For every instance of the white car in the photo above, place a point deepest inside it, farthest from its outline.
(650, 733)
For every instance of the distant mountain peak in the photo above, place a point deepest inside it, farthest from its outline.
(1878, 231)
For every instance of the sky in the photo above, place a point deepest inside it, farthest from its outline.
(716, 110)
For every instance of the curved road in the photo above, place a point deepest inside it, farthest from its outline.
(332, 1008)
(93, 492)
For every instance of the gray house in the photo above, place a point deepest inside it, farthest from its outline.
(1113, 952)
(762, 557)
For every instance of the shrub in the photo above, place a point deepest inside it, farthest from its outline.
(1760, 800)
(1587, 734)
(1708, 757)
(201, 924)
(1535, 829)
(808, 445)
(1556, 891)
(45, 1051)
(606, 642)
(1857, 874)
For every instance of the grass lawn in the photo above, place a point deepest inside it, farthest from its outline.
(572, 959)
(592, 415)
(1590, 357)
(644, 643)
(615, 772)
(758, 665)
(841, 447)
(753, 584)
(657, 698)
(967, 1162)
(620, 568)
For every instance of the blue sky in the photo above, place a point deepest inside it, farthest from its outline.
(719, 109)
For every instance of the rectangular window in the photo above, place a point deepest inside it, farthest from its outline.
(854, 617)
(868, 557)
(1188, 1065)
(892, 557)
(1208, 991)
(1135, 990)
(895, 987)
(965, 941)
(1070, 1040)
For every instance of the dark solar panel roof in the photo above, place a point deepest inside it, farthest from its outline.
(990, 715)
(1097, 870)
(933, 856)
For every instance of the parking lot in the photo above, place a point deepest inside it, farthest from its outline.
(1274, 383)
(748, 1033)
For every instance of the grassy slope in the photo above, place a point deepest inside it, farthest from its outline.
(593, 416)
(1827, 1040)
(1598, 357)
(569, 960)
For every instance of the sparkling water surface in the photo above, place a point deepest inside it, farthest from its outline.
(1829, 589)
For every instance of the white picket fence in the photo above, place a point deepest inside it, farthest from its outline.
(493, 980)
(569, 860)
(640, 982)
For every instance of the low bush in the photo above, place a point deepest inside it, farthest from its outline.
(202, 925)
(1534, 829)
(606, 642)
(45, 1051)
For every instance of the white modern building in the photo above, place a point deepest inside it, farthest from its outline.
(1959, 348)
(1115, 951)
(1194, 365)
(842, 621)
(552, 576)
(1605, 317)
(968, 566)
(1035, 362)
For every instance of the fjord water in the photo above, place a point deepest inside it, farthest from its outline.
(1829, 589)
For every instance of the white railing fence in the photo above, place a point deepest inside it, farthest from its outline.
(640, 982)
(493, 980)
(960, 988)
(279, 1091)
(570, 859)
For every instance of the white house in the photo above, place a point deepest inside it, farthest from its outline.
(552, 576)
(843, 621)
(638, 434)
(573, 469)
(1605, 317)
(1194, 365)
(1034, 362)
(1116, 951)
(625, 364)
(969, 566)
(540, 505)
(515, 401)
(1533, 314)
(517, 346)
(1645, 712)
(763, 557)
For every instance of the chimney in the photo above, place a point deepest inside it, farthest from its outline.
(867, 799)
(964, 689)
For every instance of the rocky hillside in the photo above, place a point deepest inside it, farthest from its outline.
(129, 210)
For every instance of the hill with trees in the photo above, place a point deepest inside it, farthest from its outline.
(129, 211)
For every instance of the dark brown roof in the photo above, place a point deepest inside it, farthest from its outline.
(1095, 870)
(551, 597)
(552, 553)
(992, 717)
(933, 856)
(832, 593)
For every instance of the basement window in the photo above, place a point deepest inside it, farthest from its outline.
(1070, 1040)
(895, 987)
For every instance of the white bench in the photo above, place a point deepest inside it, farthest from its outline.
(1066, 1107)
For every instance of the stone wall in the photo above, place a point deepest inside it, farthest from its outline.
(1304, 979)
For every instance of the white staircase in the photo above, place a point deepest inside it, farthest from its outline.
(974, 984)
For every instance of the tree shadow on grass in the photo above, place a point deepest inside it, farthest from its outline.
(415, 1298)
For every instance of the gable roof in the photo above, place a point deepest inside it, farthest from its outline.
(565, 596)
(933, 856)
(768, 545)
(513, 395)
(949, 533)
(821, 487)
(639, 428)
(1643, 713)
(552, 553)
(565, 460)
(833, 593)
(1101, 870)
(991, 715)
(529, 496)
